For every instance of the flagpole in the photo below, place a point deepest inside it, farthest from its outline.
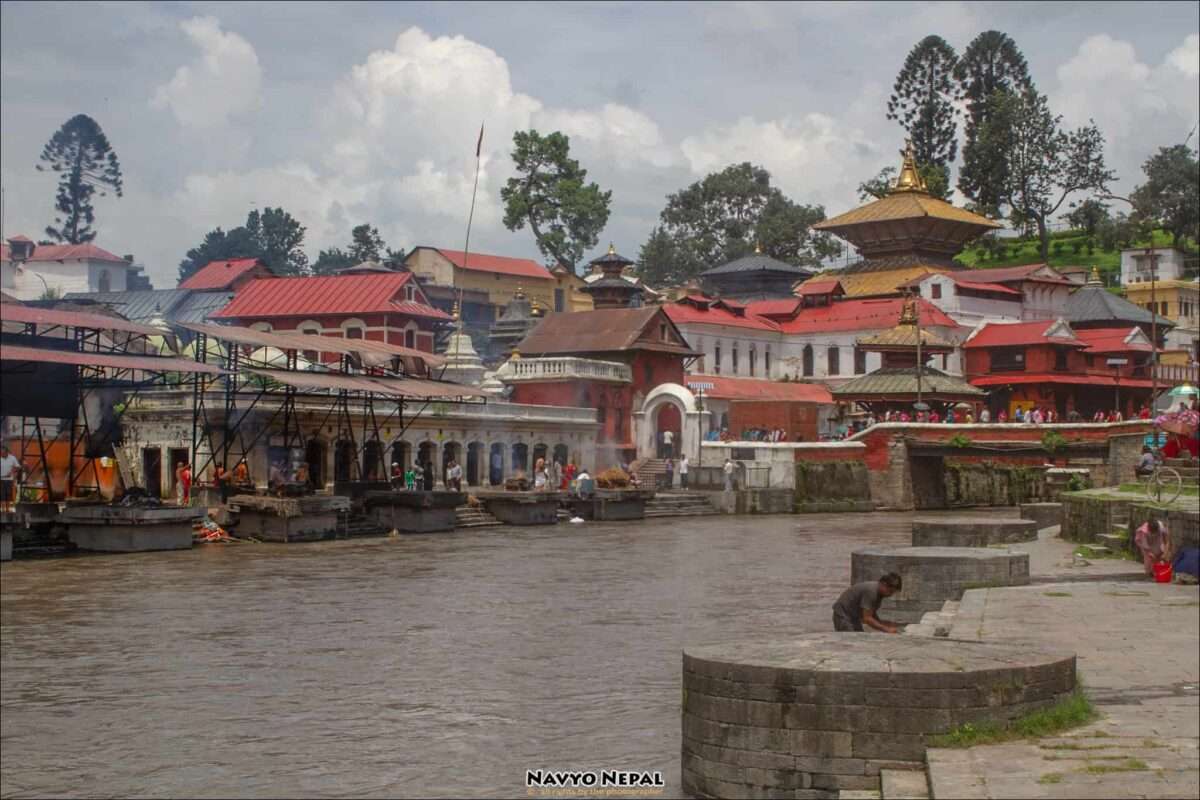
(458, 324)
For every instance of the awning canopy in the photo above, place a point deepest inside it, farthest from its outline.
(13, 312)
(300, 342)
(36, 355)
(396, 387)
(1051, 378)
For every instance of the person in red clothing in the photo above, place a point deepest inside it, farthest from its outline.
(185, 480)
(1144, 413)
(568, 474)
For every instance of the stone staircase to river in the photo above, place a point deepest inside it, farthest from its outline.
(679, 504)
(469, 517)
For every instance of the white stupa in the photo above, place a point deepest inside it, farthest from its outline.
(463, 364)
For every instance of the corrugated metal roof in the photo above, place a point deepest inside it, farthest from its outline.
(604, 330)
(199, 306)
(483, 262)
(136, 306)
(324, 295)
(1014, 334)
(900, 383)
(11, 352)
(861, 315)
(395, 387)
(720, 387)
(684, 312)
(11, 312)
(220, 274)
(64, 252)
(758, 262)
(299, 341)
(1114, 340)
(786, 307)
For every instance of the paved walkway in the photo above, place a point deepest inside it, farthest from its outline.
(1137, 655)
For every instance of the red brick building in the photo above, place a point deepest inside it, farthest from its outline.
(1049, 364)
(383, 306)
(609, 360)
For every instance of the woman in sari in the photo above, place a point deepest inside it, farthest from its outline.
(1153, 541)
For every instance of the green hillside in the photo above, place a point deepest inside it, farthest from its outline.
(1067, 249)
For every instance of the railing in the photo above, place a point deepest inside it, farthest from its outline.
(1175, 374)
(567, 368)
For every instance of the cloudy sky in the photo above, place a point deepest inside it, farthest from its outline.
(368, 112)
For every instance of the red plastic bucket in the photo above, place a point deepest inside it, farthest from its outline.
(1162, 573)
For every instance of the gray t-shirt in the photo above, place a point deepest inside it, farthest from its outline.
(856, 598)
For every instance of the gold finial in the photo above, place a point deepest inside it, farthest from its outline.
(516, 355)
(520, 293)
(1095, 275)
(908, 314)
(910, 179)
(758, 248)
(612, 251)
(456, 312)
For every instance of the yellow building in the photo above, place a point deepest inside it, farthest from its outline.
(1178, 301)
(901, 237)
(487, 282)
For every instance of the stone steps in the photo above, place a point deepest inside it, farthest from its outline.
(467, 517)
(1095, 550)
(903, 784)
(682, 504)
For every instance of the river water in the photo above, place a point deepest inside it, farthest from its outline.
(422, 666)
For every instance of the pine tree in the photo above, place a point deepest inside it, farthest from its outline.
(991, 63)
(923, 100)
(79, 151)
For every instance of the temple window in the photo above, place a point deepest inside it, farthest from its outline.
(833, 361)
(807, 361)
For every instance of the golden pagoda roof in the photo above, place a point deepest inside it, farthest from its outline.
(909, 198)
(906, 334)
(870, 284)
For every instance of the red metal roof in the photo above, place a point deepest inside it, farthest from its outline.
(300, 341)
(1014, 334)
(63, 252)
(1112, 340)
(1064, 378)
(1006, 274)
(786, 307)
(14, 312)
(36, 355)
(324, 295)
(720, 387)
(220, 274)
(684, 312)
(818, 287)
(522, 267)
(866, 314)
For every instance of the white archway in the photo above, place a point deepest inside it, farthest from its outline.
(691, 417)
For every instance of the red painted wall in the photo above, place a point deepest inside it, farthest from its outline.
(798, 420)
(613, 401)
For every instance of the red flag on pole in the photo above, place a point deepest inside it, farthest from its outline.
(479, 144)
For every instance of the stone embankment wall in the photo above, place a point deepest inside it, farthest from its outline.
(988, 483)
(1183, 523)
(811, 716)
(1089, 513)
(823, 486)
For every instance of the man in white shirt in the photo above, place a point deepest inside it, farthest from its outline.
(985, 416)
(668, 444)
(683, 471)
(10, 471)
(728, 469)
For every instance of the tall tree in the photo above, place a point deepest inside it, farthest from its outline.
(1088, 216)
(660, 262)
(333, 260)
(1171, 193)
(80, 153)
(991, 63)
(937, 181)
(551, 196)
(218, 245)
(280, 239)
(1046, 165)
(727, 213)
(272, 235)
(923, 101)
(366, 244)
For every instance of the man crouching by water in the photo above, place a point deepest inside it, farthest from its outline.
(858, 605)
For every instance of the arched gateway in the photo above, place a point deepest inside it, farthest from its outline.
(669, 406)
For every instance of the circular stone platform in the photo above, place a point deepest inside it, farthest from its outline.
(933, 575)
(971, 531)
(813, 715)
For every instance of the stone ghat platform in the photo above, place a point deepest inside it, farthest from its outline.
(933, 575)
(612, 504)
(414, 512)
(289, 519)
(120, 529)
(971, 531)
(823, 713)
(1046, 515)
(521, 508)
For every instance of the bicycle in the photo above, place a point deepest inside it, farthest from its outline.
(1162, 485)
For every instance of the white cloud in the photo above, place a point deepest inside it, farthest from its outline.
(225, 81)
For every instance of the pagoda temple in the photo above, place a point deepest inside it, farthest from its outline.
(613, 290)
(903, 236)
(905, 379)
